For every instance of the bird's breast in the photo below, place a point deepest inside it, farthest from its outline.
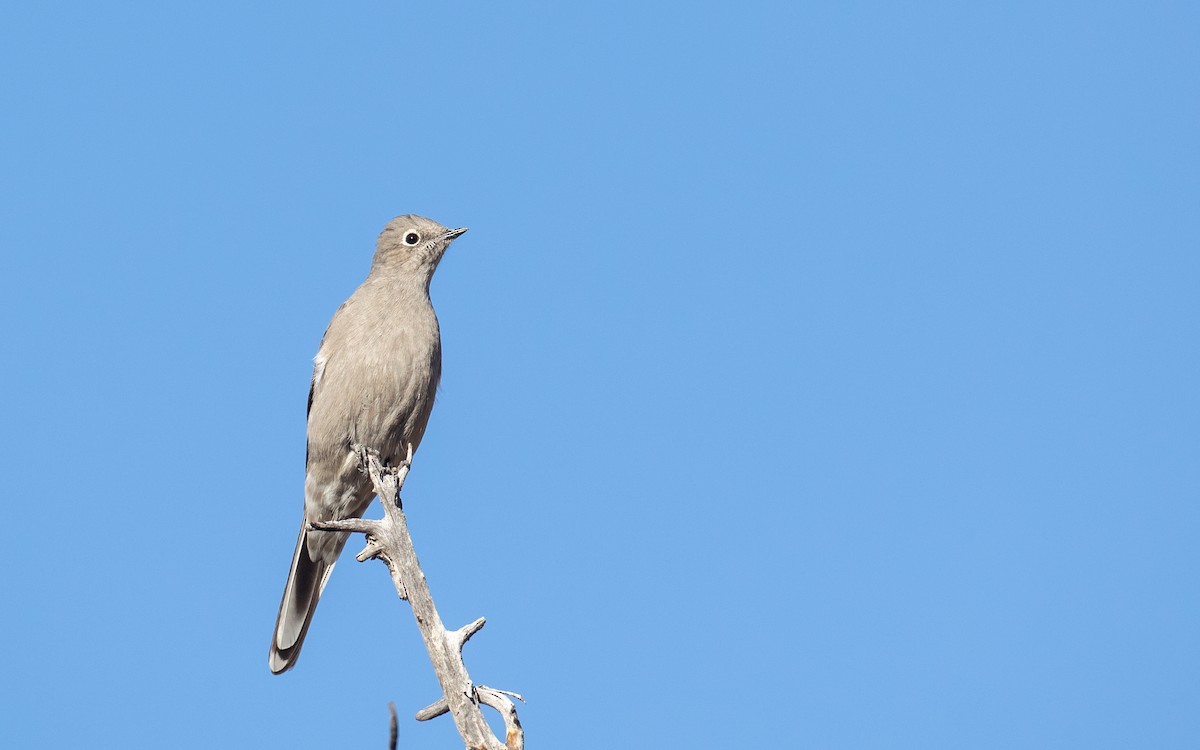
(378, 389)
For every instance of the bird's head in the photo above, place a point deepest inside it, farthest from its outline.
(413, 244)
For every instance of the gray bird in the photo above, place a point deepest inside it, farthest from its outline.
(375, 377)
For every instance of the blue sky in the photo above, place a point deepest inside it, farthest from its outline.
(815, 374)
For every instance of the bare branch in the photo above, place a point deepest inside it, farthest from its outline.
(369, 552)
(433, 710)
(514, 735)
(388, 539)
(463, 634)
(359, 525)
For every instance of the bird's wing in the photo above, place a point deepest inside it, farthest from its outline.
(319, 362)
(318, 371)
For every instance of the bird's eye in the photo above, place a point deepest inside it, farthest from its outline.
(412, 238)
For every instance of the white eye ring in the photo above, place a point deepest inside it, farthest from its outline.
(412, 238)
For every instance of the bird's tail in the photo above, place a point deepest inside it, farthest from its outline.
(306, 580)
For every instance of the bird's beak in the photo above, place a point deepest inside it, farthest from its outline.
(454, 233)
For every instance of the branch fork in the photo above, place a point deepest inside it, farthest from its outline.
(388, 540)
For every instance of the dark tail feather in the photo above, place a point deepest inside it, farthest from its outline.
(306, 581)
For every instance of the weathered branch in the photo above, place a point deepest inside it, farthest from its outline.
(388, 539)
(514, 735)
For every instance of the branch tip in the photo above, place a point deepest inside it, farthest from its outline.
(463, 634)
(501, 692)
(371, 551)
(433, 710)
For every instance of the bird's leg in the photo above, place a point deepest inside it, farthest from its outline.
(364, 456)
(404, 467)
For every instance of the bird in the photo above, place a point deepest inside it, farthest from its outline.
(375, 377)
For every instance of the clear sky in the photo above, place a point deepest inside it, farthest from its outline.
(817, 375)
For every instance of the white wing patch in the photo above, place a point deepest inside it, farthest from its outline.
(318, 369)
(318, 372)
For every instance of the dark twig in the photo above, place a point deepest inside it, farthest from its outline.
(393, 725)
